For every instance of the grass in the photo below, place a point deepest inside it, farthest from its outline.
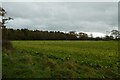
(61, 59)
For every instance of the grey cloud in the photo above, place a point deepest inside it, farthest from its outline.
(66, 16)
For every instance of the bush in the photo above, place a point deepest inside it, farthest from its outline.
(6, 45)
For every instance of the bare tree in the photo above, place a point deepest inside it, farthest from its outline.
(4, 18)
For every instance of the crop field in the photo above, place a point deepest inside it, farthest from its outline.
(61, 59)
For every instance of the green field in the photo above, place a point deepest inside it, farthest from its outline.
(61, 59)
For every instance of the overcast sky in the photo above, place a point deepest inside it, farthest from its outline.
(91, 17)
(59, 0)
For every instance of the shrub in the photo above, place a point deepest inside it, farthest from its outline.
(6, 45)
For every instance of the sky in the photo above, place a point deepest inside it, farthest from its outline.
(89, 17)
(59, 0)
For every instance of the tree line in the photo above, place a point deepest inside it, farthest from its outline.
(25, 34)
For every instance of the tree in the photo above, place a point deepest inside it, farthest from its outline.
(72, 32)
(83, 35)
(91, 35)
(115, 33)
(5, 43)
(4, 18)
(108, 37)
